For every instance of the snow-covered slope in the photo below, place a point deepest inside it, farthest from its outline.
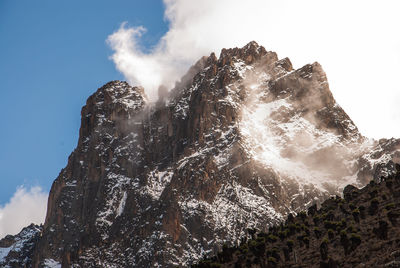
(239, 143)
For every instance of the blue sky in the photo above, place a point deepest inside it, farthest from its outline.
(53, 56)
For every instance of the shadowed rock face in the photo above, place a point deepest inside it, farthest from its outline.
(241, 141)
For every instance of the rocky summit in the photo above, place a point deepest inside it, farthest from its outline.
(239, 143)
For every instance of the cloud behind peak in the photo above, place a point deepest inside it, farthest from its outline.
(26, 206)
(353, 41)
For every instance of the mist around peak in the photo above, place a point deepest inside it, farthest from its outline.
(196, 28)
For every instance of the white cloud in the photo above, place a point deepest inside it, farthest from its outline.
(25, 207)
(355, 41)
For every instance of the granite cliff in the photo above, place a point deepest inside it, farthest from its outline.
(239, 143)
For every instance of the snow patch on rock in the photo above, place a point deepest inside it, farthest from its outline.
(50, 263)
(157, 181)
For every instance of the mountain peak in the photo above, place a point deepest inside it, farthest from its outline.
(249, 54)
(111, 104)
(119, 92)
(241, 141)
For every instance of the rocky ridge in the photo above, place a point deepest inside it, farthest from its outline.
(17, 250)
(240, 142)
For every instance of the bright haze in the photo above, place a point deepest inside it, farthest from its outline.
(356, 42)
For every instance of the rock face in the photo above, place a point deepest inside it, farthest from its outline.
(359, 230)
(17, 250)
(241, 141)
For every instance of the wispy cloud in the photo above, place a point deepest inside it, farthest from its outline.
(26, 206)
(355, 42)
